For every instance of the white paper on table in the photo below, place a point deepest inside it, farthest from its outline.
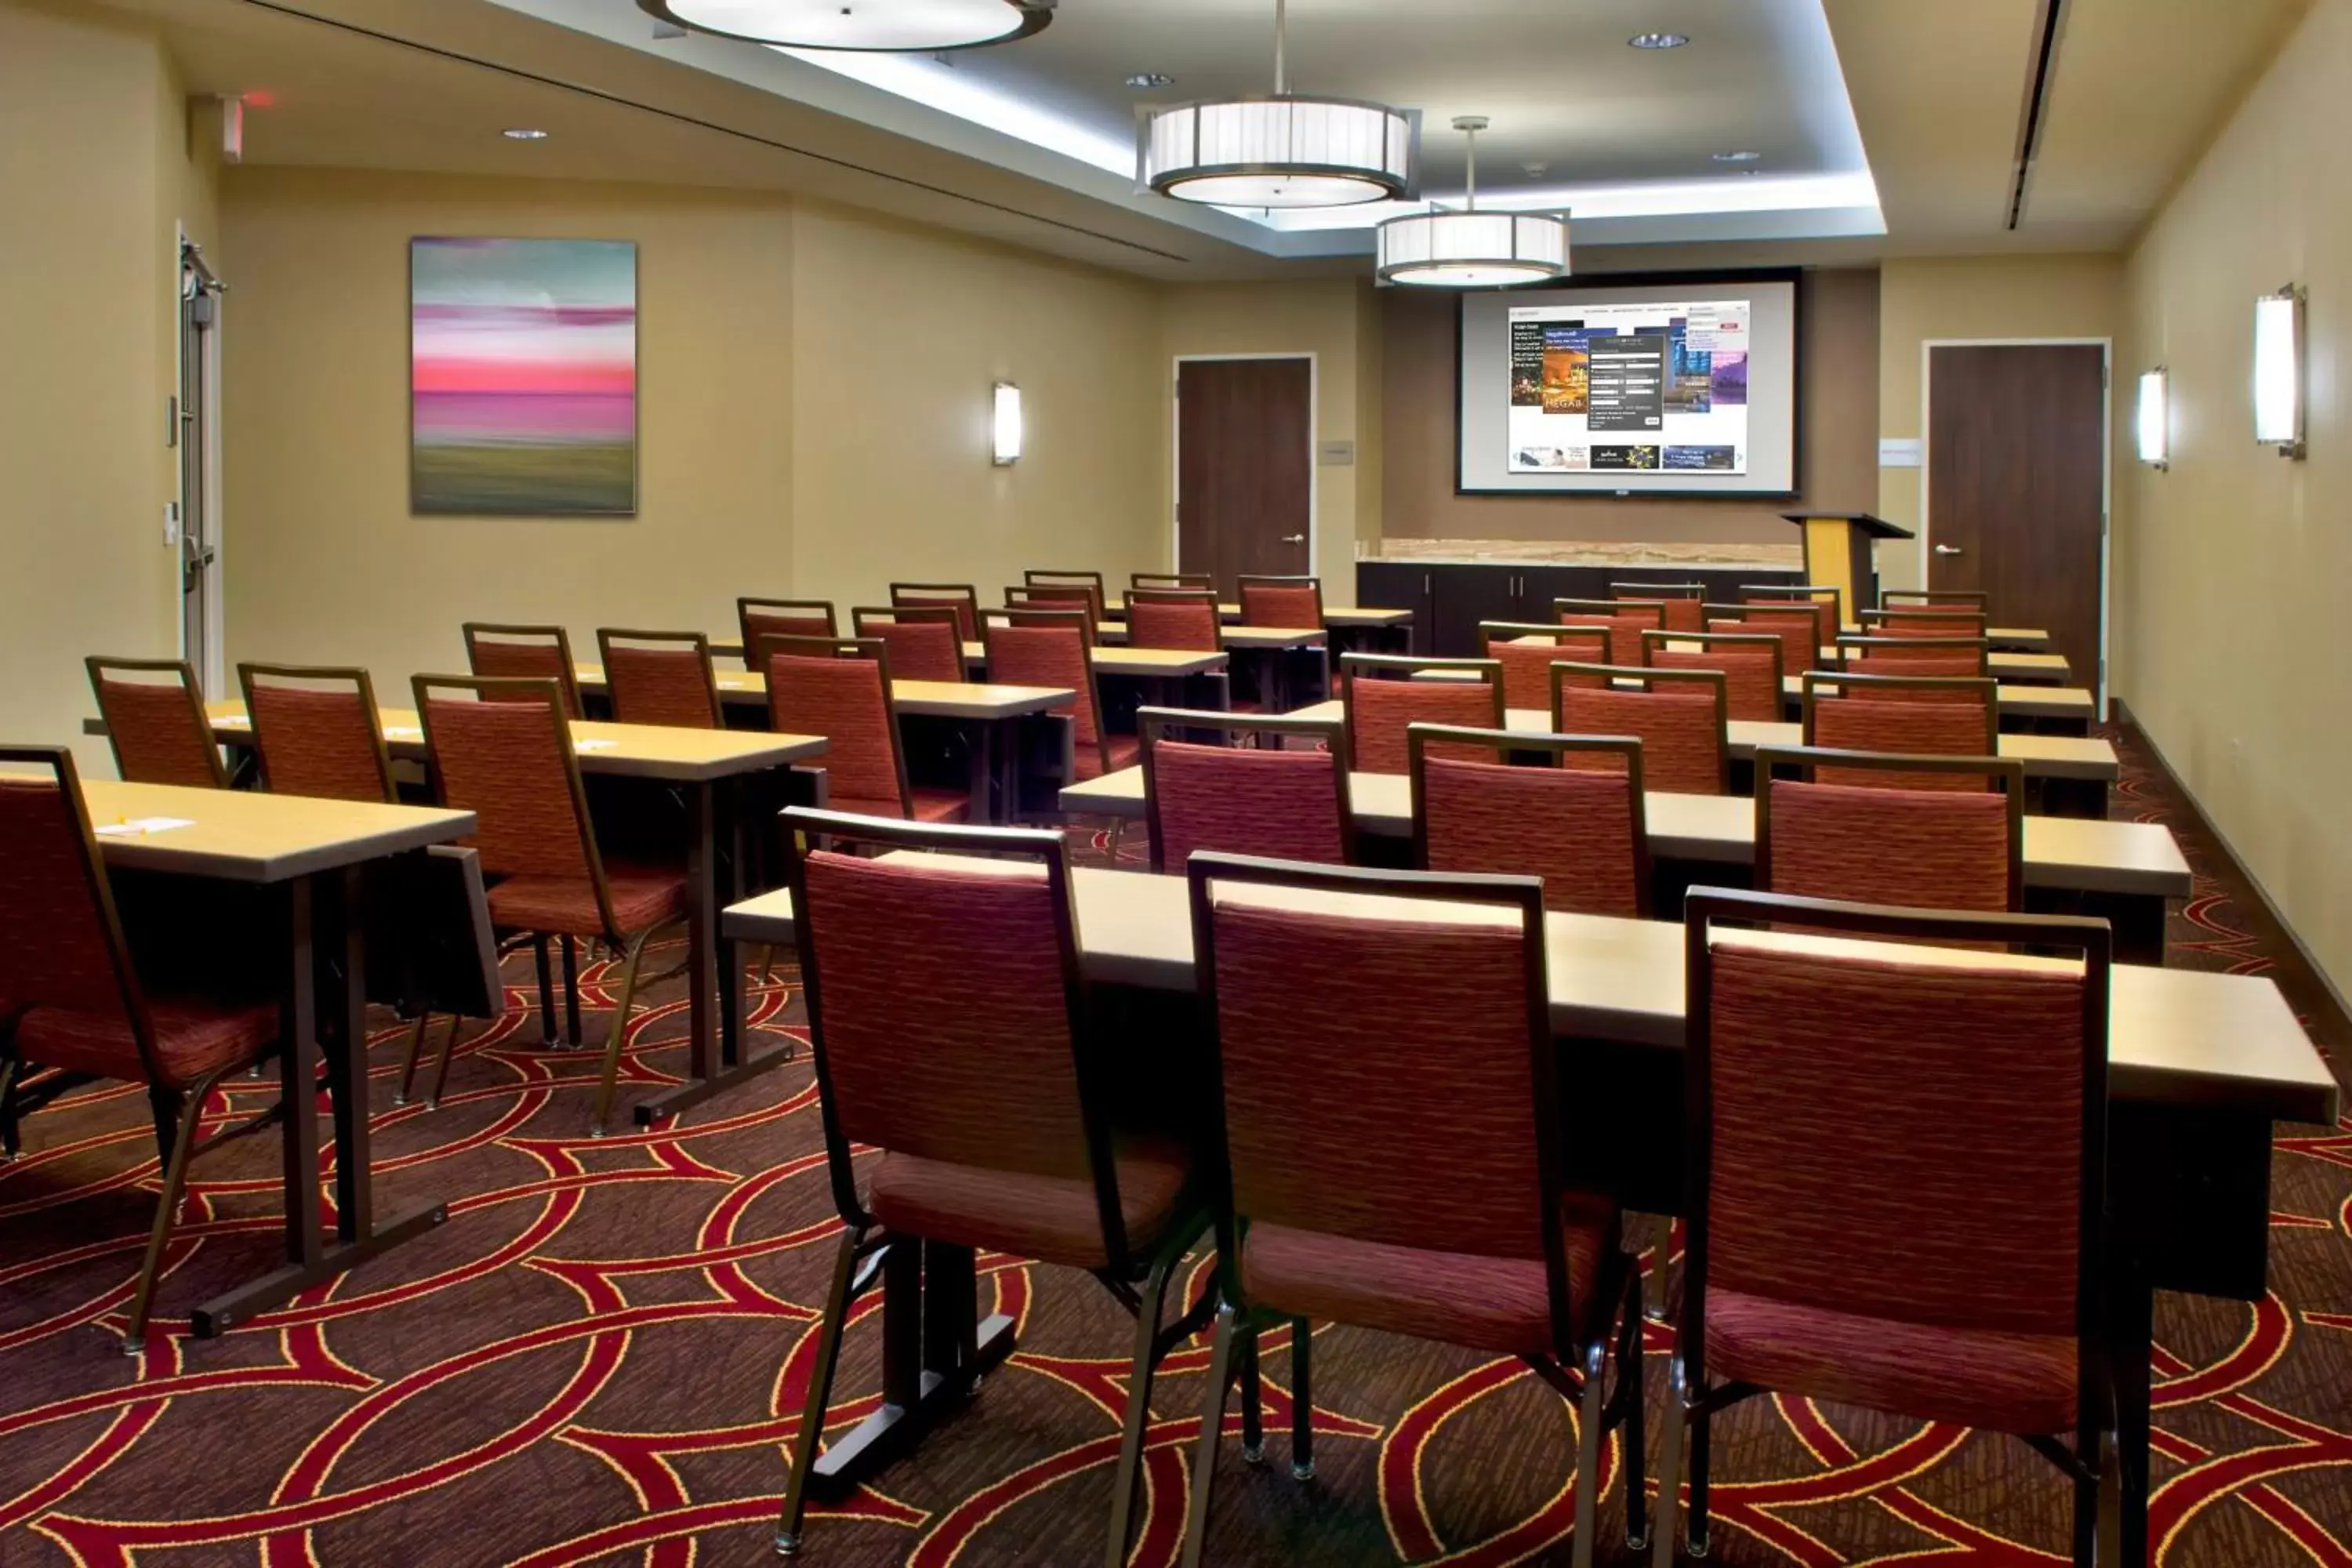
(593, 745)
(139, 826)
(403, 732)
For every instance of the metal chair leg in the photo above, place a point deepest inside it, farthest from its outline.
(1139, 1407)
(1302, 1400)
(1213, 1423)
(11, 1069)
(546, 991)
(1700, 1443)
(1632, 1390)
(1591, 1416)
(1252, 1403)
(571, 993)
(176, 1116)
(820, 1391)
(408, 1058)
(441, 1062)
(620, 1029)
(1670, 1468)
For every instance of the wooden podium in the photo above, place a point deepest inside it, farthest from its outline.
(1838, 555)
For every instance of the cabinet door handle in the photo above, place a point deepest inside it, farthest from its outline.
(1425, 582)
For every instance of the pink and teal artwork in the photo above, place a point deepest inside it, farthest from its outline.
(524, 376)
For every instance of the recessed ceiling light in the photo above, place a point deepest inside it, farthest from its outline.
(1659, 40)
(523, 133)
(1147, 80)
(1738, 157)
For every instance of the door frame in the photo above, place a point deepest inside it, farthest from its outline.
(1313, 450)
(213, 590)
(2107, 347)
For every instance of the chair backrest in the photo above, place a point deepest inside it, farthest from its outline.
(1678, 715)
(1890, 598)
(1084, 598)
(1871, 843)
(1942, 621)
(1684, 603)
(1750, 664)
(1322, 1014)
(1183, 618)
(1382, 698)
(1584, 833)
(1797, 626)
(317, 733)
(502, 748)
(926, 641)
(1827, 600)
(155, 720)
(944, 1004)
(1265, 799)
(840, 689)
(962, 597)
(783, 618)
(1201, 580)
(1908, 715)
(523, 653)
(1962, 657)
(1051, 648)
(1048, 585)
(1281, 600)
(661, 678)
(61, 944)
(1527, 652)
(1626, 619)
(1896, 1132)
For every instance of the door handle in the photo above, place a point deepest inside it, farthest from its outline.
(1294, 539)
(1949, 550)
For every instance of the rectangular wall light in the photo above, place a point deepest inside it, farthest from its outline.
(2155, 418)
(2278, 371)
(1007, 424)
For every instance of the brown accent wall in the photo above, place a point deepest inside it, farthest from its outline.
(1837, 466)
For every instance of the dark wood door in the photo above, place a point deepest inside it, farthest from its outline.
(2016, 486)
(1244, 466)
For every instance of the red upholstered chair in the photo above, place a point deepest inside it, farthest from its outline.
(524, 653)
(1334, 1027)
(1206, 581)
(962, 1108)
(1869, 842)
(1056, 647)
(926, 642)
(840, 689)
(1527, 653)
(1943, 621)
(1827, 603)
(1895, 1165)
(1584, 833)
(1795, 625)
(1913, 715)
(1963, 598)
(1959, 658)
(155, 717)
(1281, 600)
(661, 678)
(502, 749)
(1184, 618)
(961, 597)
(317, 733)
(76, 1006)
(1047, 587)
(1750, 664)
(1678, 715)
(1382, 698)
(1684, 603)
(1268, 799)
(1075, 598)
(760, 618)
(1626, 619)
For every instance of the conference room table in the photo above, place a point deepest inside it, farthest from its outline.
(709, 769)
(2201, 1066)
(2123, 871)
(311, 854)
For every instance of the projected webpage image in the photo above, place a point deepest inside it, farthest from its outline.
(1627, 388)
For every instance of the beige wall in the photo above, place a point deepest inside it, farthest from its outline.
(1840, 310)
(813, 418)
(95, 163)
(2233, 646)
(1972, 297)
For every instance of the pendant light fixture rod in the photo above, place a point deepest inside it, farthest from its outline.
(1281, 49)
(1470, 125)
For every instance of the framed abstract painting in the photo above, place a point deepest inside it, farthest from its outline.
(524, 376)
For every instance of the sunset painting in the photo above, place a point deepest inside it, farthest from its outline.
(524, 376)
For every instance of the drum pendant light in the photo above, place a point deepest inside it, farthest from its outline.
(881, 27)
(1471, 249)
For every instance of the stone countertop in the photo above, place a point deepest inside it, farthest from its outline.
(1643, 554)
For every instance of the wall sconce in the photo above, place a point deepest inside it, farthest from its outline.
(2155, 417)
(1007, 424)
(2278, 371)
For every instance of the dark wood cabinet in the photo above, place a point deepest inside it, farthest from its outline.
(1396, 586)
(1449, 599)
(1466, 595)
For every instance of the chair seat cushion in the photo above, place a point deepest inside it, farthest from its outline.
(1465, 1299)
(930, 805)
(1997, 1380)
(1050, 1218)
(1125, 751)
(193, 1036)
(643, 897)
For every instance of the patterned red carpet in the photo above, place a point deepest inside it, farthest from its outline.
(593, 1362)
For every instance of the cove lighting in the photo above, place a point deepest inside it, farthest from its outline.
(1471, 249)
(2155, 418)
(1006, 425)
(2278, 371)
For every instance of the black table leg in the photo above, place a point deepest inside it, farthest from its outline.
(2131, 1306)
